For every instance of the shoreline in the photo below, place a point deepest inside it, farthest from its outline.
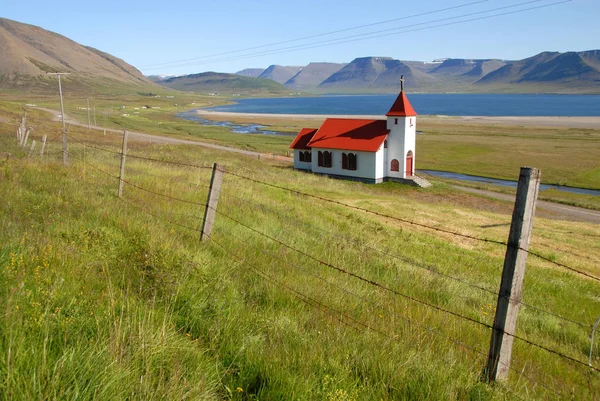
(538, 121)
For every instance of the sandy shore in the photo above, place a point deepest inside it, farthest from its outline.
(563, 122)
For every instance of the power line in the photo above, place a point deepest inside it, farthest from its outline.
(378, 34)
(315, 35)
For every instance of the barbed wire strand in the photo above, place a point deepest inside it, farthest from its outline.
(411, 298)
(413, 263)
(303, 298)
(411, 222)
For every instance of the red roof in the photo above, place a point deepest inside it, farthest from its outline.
(302, 139)
(401, 107)
(350, 134)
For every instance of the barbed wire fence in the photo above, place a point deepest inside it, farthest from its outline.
(409, 313)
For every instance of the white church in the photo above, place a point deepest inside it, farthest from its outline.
(367, 150)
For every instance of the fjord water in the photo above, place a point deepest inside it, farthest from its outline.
(426, 104)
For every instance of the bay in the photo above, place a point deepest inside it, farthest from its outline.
(493, 105)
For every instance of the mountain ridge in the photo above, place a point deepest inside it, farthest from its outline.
(546, 72)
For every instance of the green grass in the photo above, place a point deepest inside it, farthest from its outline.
(565, 156)
(109, 299)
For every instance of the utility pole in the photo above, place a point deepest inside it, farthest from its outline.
(509, 297)
(62, 115)
(87, 99)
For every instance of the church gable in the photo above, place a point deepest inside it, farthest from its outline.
(303, 138)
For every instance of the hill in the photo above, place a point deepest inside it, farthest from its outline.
(216, 82)
(570, 72)
(280, 73)
(376, 74)
(251, 72)
(30, 52)
(312, 75)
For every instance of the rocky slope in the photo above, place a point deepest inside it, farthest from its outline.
(312, 75)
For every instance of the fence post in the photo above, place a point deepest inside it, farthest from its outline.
(32, 148)
(211, 203)
(43, 145)
(26, 138)
(509, 297)
(122, 174)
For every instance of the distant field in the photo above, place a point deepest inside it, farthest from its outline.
(565, 156)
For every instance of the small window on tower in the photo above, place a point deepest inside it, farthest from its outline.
(396, 121)
(385, 144)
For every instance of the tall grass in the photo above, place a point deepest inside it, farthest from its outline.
(112, 299)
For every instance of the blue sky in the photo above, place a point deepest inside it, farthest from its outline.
(151, 34)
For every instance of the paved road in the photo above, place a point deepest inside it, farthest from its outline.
(561, 211)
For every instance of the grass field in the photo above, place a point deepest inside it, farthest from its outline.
(110, 299)
(565, 156)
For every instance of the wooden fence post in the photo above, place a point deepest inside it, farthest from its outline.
(211, 203)
(509, 297)
(26, 138)
(122, 174)
(87, 99)
(32, 148)
(44, 138)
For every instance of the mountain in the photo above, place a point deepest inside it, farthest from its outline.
(376, 74)
(29, 52)
(159, 78)
(216, 82)
(250, 72)
(469, 70)
(312, 75)
(570, 72)
(279, 73)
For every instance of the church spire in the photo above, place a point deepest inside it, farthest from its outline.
(401, 107)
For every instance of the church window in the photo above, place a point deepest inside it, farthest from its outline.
(396, 121)
(320, 159)
(326, 159)
(385, 144)
(307, 156)
(301, 156)
(349, 161)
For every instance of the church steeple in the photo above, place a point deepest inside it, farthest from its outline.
(401, 107)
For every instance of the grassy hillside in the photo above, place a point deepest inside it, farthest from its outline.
(216, 82)
(120, 299)
(30, 52)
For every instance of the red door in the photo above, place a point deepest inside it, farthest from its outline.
(409, 163)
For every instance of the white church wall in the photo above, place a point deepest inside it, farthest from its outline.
(366, 164)
(380, 164)
(300, 164)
